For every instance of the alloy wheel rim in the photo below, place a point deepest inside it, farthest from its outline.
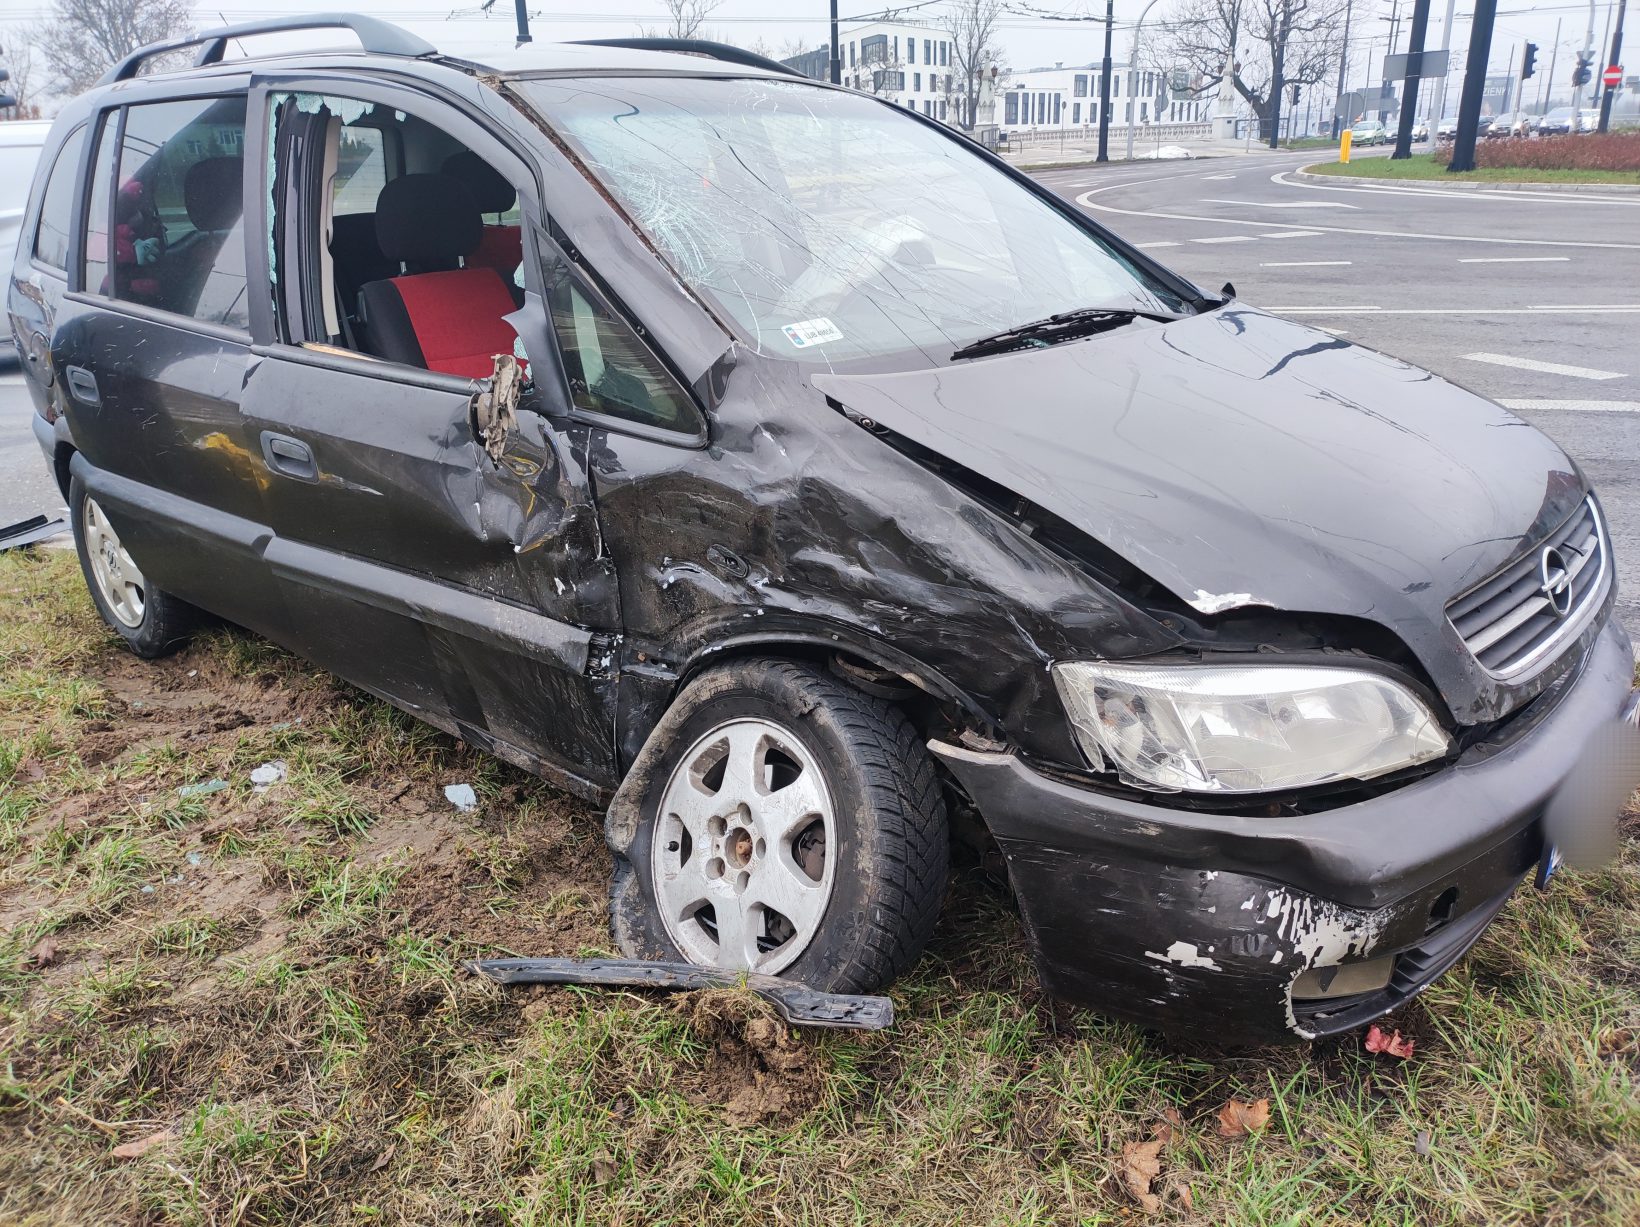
(118, 578)
(743, 854)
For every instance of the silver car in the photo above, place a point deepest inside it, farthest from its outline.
(20, 143)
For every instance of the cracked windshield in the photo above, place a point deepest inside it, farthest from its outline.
(830, 227)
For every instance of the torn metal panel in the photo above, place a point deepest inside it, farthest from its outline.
(797, 1004)
(838, 540)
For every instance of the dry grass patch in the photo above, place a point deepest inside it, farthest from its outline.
(242, 1006)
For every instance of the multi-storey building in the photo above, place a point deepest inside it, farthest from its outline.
(907, 63)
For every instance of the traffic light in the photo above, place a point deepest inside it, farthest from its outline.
(1295, 95)
(1528, 65)
(1582, 73)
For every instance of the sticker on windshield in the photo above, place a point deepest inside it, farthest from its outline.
(812, 332)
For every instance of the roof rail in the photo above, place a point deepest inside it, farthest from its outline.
(696, 46)
(376, 36)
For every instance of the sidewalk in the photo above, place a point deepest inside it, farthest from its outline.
(1077, 149)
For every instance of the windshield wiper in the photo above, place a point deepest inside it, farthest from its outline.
(1066, 326)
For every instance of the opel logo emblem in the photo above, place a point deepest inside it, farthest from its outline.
(1557, 581)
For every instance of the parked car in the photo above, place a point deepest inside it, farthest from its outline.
(1588, 119)
(1447, 129)
(20, 142)
(1368, 132)
(1558, 122)
(1498, 127)
(603, 433)
(1420, 131)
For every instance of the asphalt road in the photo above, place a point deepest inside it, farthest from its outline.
(1530, 298)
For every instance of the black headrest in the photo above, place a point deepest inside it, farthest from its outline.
(488, 185)
(423, 219)
(213, 193)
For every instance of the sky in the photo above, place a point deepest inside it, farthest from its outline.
(1029, 40)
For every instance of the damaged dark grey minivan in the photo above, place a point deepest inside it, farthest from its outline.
(770, 463)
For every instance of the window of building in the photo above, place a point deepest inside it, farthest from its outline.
(178, 232)
(916, 82)
(874, 50)
(910, 51)
(942, 112)
(945, 54)
(852, 63)
(1010, 109)
(928, 46)
(1080, 88)
(1076, 112)
(51, 238)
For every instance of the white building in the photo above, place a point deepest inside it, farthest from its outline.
(1060, 97)
(906, 63)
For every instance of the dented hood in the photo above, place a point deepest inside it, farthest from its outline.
(1241, 459)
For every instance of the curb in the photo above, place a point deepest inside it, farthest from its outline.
(1622, 189)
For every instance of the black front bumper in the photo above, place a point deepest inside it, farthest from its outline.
(1199, 923)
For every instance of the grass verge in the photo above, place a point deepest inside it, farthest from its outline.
(242, 1007)
(1423, 166)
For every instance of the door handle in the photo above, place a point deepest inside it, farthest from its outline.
(289, 456)
(83, 384)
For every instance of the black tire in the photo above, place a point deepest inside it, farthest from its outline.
(891, 844)
(166, 624)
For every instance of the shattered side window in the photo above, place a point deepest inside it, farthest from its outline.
(829, 227)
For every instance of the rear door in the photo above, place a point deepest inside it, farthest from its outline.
(465, 582)
(153, 346)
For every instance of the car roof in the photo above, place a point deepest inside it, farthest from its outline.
(24, 133)
(571, 59)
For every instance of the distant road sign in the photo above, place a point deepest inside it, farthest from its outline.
(1613, 76)
(1403, 64)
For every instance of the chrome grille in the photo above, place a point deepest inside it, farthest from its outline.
(1511, 623)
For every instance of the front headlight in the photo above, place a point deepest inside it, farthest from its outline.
(1238, 729)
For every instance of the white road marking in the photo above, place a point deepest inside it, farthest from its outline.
(1336, 332)
(1303, 263)
(1229, 238)
(1292, 234)
(11, 381)
(1147, 246)
(1513, 259)
(1453, 310)
(1547, 368)
(1085, 201)
(1284, 204)
(1218, 176)
(1580, 406)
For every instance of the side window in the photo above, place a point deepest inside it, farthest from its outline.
(179, 227)
(610, 370)
(57, 207)
(96, 212)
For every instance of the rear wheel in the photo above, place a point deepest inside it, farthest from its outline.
(152, 622)
(783, 822)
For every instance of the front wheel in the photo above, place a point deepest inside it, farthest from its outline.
(152, 622)
(780, 821)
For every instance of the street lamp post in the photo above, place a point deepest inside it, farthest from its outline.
(1343, 68)
(1616, 57)
(1133, 68)
(1104, 86)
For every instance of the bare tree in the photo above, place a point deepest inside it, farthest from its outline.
(1269, 45)
(975, 51)
(24, 75)
(882, 71)
(82, 39)
(685, 19)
